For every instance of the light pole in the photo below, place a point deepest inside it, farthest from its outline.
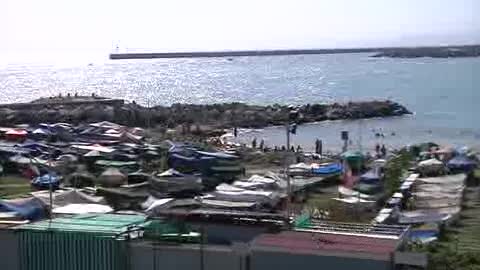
(287, 167)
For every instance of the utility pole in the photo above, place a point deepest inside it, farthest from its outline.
(360, 130)
(287, 167)
(344, 136)
(292, 115)
(50, 186)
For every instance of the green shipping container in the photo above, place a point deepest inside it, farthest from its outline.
(83, 242)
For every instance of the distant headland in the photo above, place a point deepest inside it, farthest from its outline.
(399, 52)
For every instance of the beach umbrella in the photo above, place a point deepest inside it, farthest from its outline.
(112, 177)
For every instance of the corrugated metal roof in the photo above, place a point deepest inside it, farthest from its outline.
(359, 229)
(88, 223)
(318, 243)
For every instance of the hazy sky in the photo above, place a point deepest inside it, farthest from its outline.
(181, 25)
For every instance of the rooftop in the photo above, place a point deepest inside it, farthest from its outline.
(379, 231)
(327, 244)
(319, 237)
(105, 224)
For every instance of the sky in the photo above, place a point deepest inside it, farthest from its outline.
(207, 25)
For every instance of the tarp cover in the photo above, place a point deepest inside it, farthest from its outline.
(20, 159)
(83, 208)
(106, 125)
(46, 180)
(65, 197)
(461, 162)
(31, 208)
(227, 204)
(372, 176)
(354, 200)
(430, 162)
(217, 155)
(172, 181)
(262, 179)
(344, 191)
(139, 190)
(95, 147)
(115, 163)
(328, 169)
(437, 203)
(456, 179)
(427, 216)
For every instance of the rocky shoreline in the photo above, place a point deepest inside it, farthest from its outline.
(225, 115)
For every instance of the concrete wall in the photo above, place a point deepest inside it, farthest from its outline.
(8, 250)
(260, 260)
(148, 256)
(225, 234)
(145, 255)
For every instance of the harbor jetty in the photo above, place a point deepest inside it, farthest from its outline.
(118, 56)
(397, 52)
(91, 109)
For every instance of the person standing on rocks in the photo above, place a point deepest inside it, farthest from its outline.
(383, 150)
(377, 149)
(254, 143)
(318, 147)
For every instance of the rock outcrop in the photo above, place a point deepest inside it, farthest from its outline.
(214, 115)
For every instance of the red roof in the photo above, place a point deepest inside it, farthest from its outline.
(304, 242)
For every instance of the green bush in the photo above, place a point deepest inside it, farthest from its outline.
(395, 170)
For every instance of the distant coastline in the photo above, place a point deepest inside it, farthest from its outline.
(396, 52)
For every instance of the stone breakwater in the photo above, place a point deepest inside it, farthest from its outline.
(224, 115)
